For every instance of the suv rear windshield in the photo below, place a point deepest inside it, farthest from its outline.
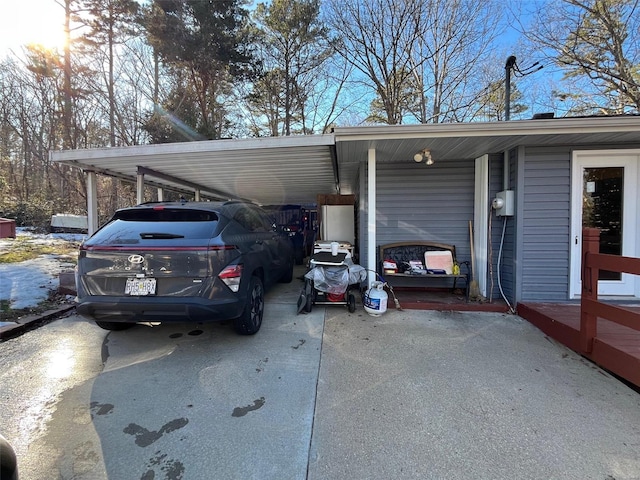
(141, 225)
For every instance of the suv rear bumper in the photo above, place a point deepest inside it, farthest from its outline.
(158, 309)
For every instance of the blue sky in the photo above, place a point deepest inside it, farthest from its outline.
(41, 21)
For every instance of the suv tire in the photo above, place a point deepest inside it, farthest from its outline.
(114, 326)
(251, 319)
(288, 276)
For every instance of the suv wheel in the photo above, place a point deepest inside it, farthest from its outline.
(251, 319)
(115, 326)
(288, 275)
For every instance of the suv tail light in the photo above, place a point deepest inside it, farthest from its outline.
(231, 277)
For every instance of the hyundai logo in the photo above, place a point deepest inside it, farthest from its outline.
(136, 259)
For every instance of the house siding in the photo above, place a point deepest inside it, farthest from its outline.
(427, 203)
(416, 202)
(511, 273)
(502, 274)
(435, 203)
(546, 225)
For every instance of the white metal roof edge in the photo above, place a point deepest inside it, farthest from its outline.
(296, 141)
(555, 126)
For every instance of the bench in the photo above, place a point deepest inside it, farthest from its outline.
(424, 261)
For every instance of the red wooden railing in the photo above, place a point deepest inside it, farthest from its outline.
(590, 308)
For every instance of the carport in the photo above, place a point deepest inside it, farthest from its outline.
(295, 169)
(263, 170)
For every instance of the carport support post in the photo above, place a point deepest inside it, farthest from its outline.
(92, 202)
(371, 215)
(140, 188)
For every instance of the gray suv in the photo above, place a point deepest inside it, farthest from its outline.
(182, 261)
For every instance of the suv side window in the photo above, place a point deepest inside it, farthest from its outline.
(268, 222)
(250, 219)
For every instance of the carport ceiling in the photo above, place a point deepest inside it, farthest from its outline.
(264, 170)
(296, 169)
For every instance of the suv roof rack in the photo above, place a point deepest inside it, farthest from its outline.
(234, 202)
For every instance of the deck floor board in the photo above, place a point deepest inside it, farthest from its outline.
(621, 352)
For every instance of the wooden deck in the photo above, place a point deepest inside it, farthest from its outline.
(442, 300)
(616, 348)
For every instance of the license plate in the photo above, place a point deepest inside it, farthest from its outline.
(140, 286)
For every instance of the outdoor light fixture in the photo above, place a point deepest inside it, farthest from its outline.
(423, 155)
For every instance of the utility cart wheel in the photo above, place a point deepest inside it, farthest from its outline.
(310, 294)
(308, 306)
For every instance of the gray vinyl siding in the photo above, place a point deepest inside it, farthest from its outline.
(500, 250)
(427, 203)
(546, 225)
(509, 271)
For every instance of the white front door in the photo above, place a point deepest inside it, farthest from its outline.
(604, 188)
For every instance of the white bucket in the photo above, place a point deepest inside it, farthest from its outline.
(375, 300)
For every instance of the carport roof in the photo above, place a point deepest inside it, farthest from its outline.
(265, 170)
(296, 169)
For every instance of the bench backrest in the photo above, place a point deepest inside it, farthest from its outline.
(405, 252)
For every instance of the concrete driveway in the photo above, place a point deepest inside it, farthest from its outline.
(446, 395)
(325, 395)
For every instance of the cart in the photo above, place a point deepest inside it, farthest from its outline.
(331, 280)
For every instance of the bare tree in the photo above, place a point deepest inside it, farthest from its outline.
(109, 22)
(418, 56)
(327, 101)
(293, 45)
(378, 38)
(139, 87)
(455, 42)
(595, 42)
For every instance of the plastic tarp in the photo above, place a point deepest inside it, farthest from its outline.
(336, 279)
